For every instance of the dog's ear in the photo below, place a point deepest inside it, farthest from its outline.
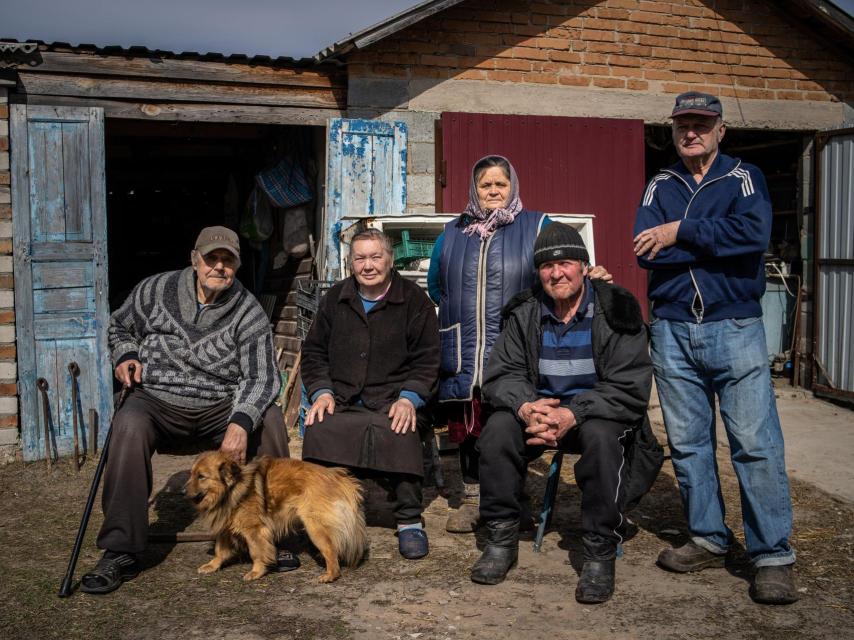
(229, 472)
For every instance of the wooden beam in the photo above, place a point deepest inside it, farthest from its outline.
(190, 112)
(154, 67)
(153, 91)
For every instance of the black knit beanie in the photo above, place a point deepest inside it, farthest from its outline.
(558, 241)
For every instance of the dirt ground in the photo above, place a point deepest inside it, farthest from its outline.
(389, 597)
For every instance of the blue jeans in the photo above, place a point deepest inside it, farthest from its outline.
(693, 363)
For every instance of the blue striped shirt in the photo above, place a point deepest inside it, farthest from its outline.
(566, 353)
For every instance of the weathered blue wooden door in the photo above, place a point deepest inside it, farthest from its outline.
(366, 176)
(60, 249)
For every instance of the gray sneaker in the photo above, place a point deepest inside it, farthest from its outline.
(690, 557)
(774, 585)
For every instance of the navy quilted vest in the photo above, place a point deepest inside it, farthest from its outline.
(478, 278)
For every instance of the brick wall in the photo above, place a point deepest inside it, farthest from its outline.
(8, 367)
(734, 48)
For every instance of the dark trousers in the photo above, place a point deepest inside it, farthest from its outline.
(599, 472)
(469, 460)
(144, 425)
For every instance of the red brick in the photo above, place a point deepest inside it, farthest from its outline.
(471, 74)
(627, 72)
(541, 78)
(594, 70)
(790, 95)
(440, 61)
(603, 47)
(777, 83)
(7, 316)
(565, 56)
(5, 177)
(601, 36)
(9, 421)
(638, 85)
(660, 30)
(548, 9)
(512, 64)
(623, 4)
(637, 50)
(7, 281)
(609, 83)
(505, 76)
(760, 94)
(750, 82)
(819, 96)
(529, 53)
(560, 44)
(4, 111)
(601, 25)
(650, 17)
(574, 81)
(7, 352)
(4, 143)
(8, 389)
(612, 13)
(477, 63)
(594, 58)
(658, 7)
(675, 87)
(624, 61)
(658, 74)
(5, 246)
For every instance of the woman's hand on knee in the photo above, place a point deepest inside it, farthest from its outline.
(325, 404)
(402, 416)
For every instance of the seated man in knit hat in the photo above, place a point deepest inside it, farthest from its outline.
(570, 370)
(204, 372)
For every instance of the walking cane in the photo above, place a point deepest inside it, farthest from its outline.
(74, 370)
(65, 589)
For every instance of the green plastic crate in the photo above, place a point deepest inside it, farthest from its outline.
(407, 250)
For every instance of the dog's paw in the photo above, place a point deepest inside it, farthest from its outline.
(327, 577)
(209, 567)
(254, 574)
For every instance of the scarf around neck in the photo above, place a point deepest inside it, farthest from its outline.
(484, 222)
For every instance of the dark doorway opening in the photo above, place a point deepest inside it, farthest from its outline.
(166, 181)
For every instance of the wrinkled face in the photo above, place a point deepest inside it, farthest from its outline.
(562, 279)
(371, 263)
(697, 136)
(212, 475)
(493, 188)
(215, 270)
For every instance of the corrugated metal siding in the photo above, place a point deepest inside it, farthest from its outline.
(566, 165)
(835, 257)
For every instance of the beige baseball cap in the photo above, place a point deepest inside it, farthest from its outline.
(211, 238)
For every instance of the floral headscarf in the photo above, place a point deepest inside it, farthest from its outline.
(484, 222)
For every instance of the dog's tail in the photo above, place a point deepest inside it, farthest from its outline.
(351, 533)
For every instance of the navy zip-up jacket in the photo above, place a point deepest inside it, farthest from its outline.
(715, 270)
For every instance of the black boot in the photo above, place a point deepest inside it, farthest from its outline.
(596, 584)
(500, 554)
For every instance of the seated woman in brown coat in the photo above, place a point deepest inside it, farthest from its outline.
(370, 363)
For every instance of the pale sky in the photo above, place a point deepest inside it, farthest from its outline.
(291, 28)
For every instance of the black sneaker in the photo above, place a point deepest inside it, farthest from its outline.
(286, 561)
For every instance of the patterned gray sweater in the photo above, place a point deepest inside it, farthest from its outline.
(194, 357)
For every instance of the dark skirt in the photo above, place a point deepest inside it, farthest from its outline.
(360, 438)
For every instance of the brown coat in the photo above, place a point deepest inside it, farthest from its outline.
(370, 357)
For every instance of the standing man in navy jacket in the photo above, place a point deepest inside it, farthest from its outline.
(701, 230)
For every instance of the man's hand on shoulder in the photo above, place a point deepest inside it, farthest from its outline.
(598, 272)
(325, 403)
(123, 373)
(234, 443)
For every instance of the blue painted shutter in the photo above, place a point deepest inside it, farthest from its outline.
(366, 176)
(60, 249)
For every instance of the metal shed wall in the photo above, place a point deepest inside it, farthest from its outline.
(572, 165)
(834, 347)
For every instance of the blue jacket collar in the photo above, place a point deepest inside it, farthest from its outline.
(721, 165)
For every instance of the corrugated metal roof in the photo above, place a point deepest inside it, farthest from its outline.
(31, 47)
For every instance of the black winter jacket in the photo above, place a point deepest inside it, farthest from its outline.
(372, 357)
(620, 355)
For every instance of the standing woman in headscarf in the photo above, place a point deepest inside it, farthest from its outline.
(479, 262)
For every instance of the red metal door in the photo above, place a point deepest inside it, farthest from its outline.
(565, 165)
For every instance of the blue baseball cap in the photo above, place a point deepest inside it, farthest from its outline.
(701, 104)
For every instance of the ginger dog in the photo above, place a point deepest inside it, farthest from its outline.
(250, 507)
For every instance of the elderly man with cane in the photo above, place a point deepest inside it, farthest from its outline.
(196, 347)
